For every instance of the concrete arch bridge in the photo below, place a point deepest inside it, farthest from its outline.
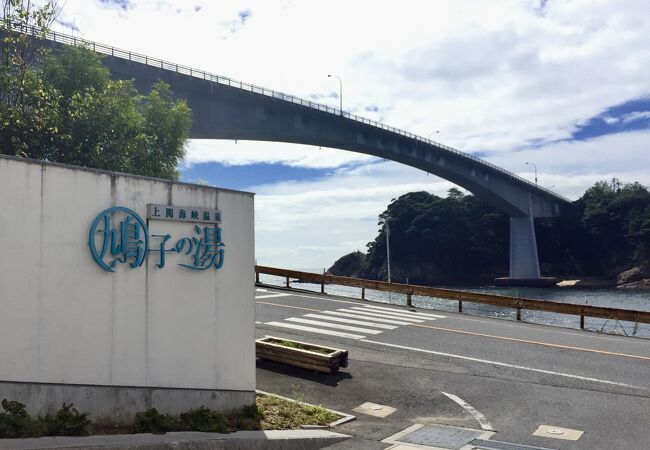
(228, 109)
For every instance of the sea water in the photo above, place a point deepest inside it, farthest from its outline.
(638, 300)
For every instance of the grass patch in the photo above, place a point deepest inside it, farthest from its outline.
(267, 413)
(291, 344)
(280, 414)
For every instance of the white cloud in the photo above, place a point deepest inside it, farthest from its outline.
(310, 224)
(636, 115)
(491, 75)
(231, 153)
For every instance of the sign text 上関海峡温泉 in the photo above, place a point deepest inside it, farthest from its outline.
(118, 235)
(183, 214)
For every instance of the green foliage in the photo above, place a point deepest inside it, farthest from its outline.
(206, 420)
(437, 239)
(253, 412)
(64, 107)
(14, 421)
(461, 238)
(151, 421)
(68, 421)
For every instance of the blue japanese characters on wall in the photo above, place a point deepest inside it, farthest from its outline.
(118, 235)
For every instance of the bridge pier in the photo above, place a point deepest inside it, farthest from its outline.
(524, 261)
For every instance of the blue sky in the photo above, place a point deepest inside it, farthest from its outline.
(562, 84)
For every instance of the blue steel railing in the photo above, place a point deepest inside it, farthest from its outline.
(136, 57)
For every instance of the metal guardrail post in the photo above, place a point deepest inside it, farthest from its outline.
(582, 321)
(287, 284)
(409, 300)
(257, 275)
(519, 313)
(322, 287)
(460, 306)
(363, 293)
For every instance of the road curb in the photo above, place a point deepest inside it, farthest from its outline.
(241, 440)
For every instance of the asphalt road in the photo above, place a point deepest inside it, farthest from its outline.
(518, 376)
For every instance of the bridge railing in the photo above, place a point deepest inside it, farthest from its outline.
(516, 303)
(63, 38)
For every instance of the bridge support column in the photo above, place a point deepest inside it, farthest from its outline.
(524, 262)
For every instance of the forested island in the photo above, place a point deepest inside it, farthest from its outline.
(462, 240)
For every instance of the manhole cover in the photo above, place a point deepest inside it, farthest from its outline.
(498, 445)
(441, 436)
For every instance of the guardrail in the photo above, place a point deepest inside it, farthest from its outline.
(517, 303)
(66, 39)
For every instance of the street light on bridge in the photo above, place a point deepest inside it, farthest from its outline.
(340, 91)
(535, 167)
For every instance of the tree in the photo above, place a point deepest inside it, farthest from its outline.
(27, 106)
(63, 106)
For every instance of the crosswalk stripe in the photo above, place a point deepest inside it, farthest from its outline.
(257, 297)
(411, 314)
(353, 322)
(315, 330)
(357, 315)
(384, 314)
(336, 326)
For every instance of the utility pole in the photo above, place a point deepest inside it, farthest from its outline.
(388, 249)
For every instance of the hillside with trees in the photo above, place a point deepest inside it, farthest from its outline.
(460, 239)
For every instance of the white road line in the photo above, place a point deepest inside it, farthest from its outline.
(361, 316)
(397, 313)
(336, 326)
(257, 297)
(382, 314)
(417, 314)
(314, 330)
(353, 322)
(261, 290)
(485, 424)
(512, 366)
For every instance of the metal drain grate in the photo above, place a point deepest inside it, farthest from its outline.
(498, 445)
(441, 436)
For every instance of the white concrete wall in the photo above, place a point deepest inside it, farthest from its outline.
(65, 320)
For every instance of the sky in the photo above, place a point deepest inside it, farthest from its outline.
(561, 84)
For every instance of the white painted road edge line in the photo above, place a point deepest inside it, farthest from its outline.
(485, 424)
(512, 366)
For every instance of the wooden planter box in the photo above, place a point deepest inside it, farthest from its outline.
(307, 357)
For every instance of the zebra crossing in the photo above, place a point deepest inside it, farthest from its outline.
(354, 322)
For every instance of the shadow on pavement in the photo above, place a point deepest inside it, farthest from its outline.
(322, 378)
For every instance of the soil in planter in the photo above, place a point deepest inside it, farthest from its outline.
(311, 348)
